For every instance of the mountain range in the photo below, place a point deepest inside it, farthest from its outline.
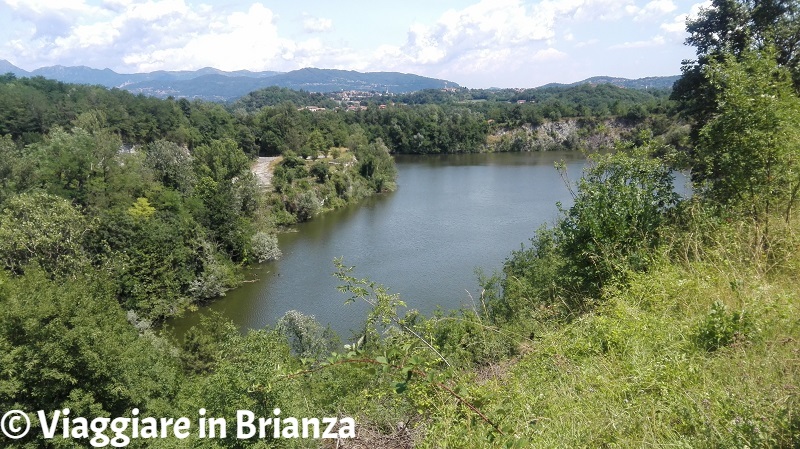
(217, 85)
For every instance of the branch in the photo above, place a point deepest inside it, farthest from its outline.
(416, 371)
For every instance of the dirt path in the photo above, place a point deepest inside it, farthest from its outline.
(262, 168)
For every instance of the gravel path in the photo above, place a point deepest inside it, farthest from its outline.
(263, 170)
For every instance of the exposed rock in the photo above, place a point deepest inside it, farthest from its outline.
(570, 134)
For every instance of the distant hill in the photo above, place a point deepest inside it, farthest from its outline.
(226, 87)
(7, 67)
(217, 85)
(326, 80)
(651, 82)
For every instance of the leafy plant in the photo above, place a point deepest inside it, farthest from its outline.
(615, 223)
(264, 247)
(721, 328)
(307, 338)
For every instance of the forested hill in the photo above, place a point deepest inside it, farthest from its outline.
(650, 82)
(589, 95)
(275, 120)
(217, 85)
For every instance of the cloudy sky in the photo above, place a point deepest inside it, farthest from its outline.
(486, 43)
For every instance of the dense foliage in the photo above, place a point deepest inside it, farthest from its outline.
(437, 121)
(158, 195)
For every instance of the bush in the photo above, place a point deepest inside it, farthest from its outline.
(306, 337)
(264, 247)
(217, 277)
(530, 277)
(615, 223)
(621, 204)
(304, 204)
(721, 328)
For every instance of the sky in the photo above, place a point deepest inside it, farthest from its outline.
(477, 44)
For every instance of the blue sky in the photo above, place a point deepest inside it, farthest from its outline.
(488, 43)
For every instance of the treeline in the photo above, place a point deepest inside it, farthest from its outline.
(436, 121)
(32, 107)
(274, 95)
(516, 106)
(270, 122)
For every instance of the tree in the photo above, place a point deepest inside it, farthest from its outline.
(748, 153)
(42, 228)
(221, 160)
(316, 144)
(735, 27)
(171, 163)
(67, 344)
(84, 165)
(152, 260)
(305, 335)
(377, 166)
(9, 156)
(265, 247)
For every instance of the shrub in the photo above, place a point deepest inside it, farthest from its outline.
(530, 277)
(304, 204)
(307, 338)
(41, 228)
(721, 328)
(615, 223)
(217, 277)
(264, 247)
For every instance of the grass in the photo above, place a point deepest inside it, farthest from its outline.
(639, 371)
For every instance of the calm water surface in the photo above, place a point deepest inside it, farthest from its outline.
(450, 215)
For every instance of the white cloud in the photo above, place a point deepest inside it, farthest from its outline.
(156, 10)
(548, 54)
(587, 43)
(653, 9)
(678, 24)
(317, 24)
(51, 18)
(477, 37)
(158, 35)
(40, 7)
(654, 42)
(84, 36)
(488, 39)
(242, 38)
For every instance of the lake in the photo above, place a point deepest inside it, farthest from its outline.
(450, 215)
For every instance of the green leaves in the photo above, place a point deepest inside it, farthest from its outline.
(722, 327)
(306, 336)
(44, 229)
(221, 160)
(68, 344)
(748, 154)
(613, 226)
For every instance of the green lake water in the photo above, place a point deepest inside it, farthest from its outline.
(450, 215)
